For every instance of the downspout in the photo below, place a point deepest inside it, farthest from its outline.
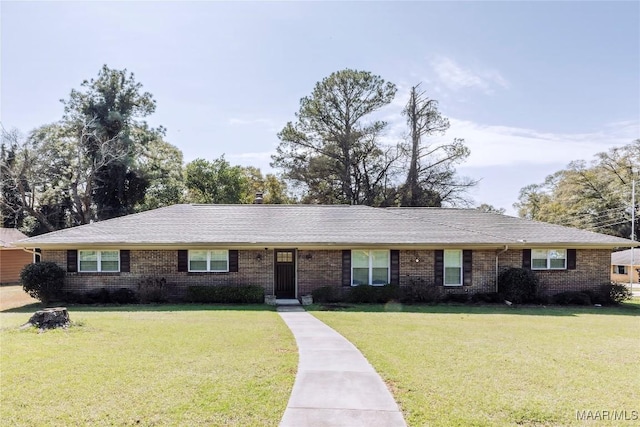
(498, 253)
(32, 252)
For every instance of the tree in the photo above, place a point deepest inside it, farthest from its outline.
(431, 177)
(11, 210)
(101, 160)
(106, 116)
(331, 151)
(274, 190)
(215, 182)
(595, 196)
(485, 207)
(42, 280)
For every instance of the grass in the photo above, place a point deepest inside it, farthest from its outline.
(148, 365)
(494, 366)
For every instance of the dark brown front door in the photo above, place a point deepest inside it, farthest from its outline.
(285, 273)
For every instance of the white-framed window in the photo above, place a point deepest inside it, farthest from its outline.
(620, 269)
(548, 259)
(453, 268)
(216, 260)
(94, 261)
(370, 267)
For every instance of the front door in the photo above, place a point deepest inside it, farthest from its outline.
(285, 280)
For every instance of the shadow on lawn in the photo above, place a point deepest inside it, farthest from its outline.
(631, 308)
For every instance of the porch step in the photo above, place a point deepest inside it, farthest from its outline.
(290, 302)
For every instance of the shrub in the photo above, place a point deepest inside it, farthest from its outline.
(367, 294)
(327, 294)
(517, 285)
(226, 294)
(124, 296)
(456, 297)
(572, 298)
(486, 298)
(420, 292)
(152, 289)
(615, 293)
(42, 280)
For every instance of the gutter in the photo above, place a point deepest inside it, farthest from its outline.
(498, 253)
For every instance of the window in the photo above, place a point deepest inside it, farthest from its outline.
(369, 267)
(548, 259)
(99, 261)
(453, 268)
(620, 269)
(209, 260)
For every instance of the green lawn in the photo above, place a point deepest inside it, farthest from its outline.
(150, 366)
(494, 366)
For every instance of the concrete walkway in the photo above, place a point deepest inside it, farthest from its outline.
(335, 385)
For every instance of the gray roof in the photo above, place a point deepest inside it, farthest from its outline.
(624, 257)
(318, 225)
(8, 236)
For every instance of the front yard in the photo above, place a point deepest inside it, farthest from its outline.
(146, 365)
(493, 366)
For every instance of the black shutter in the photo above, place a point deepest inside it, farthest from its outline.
(526, 259)
(571, 259)
(467, 267)
(38, 256)
(233, 261)
(183, 260)
(72, 261)
(125, 264)
(438, 268)
(395, 267)
(346, 267)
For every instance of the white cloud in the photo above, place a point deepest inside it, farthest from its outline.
(504, 145)
(456, 77)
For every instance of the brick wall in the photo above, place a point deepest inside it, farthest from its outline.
(592, 270)
(254, 268)
(324, 268)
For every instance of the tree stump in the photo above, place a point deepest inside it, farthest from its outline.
(50, 318)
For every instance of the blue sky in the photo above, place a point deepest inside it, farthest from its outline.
(530, 86)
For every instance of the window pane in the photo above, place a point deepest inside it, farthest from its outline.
(539, 263)
(453, 258)
(380, 276)
(88, 265)
(198, 260)
(557, 263)
(109, 260)
(380, 259)
(88, 260)
(452, 276)
(88, 255)
(219, 265)
(360, 259)
(361, 276)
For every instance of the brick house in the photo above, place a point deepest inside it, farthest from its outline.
(292, 249)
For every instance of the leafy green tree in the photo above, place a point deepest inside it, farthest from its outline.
(485, 207)
(162, 165)
(431, 176)
(106, 116)
(274, 190)
(333, 151)
(594, 196)
(216, 182)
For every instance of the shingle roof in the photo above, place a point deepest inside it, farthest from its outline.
(624, 257)
(299, 225)
(8, 236)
